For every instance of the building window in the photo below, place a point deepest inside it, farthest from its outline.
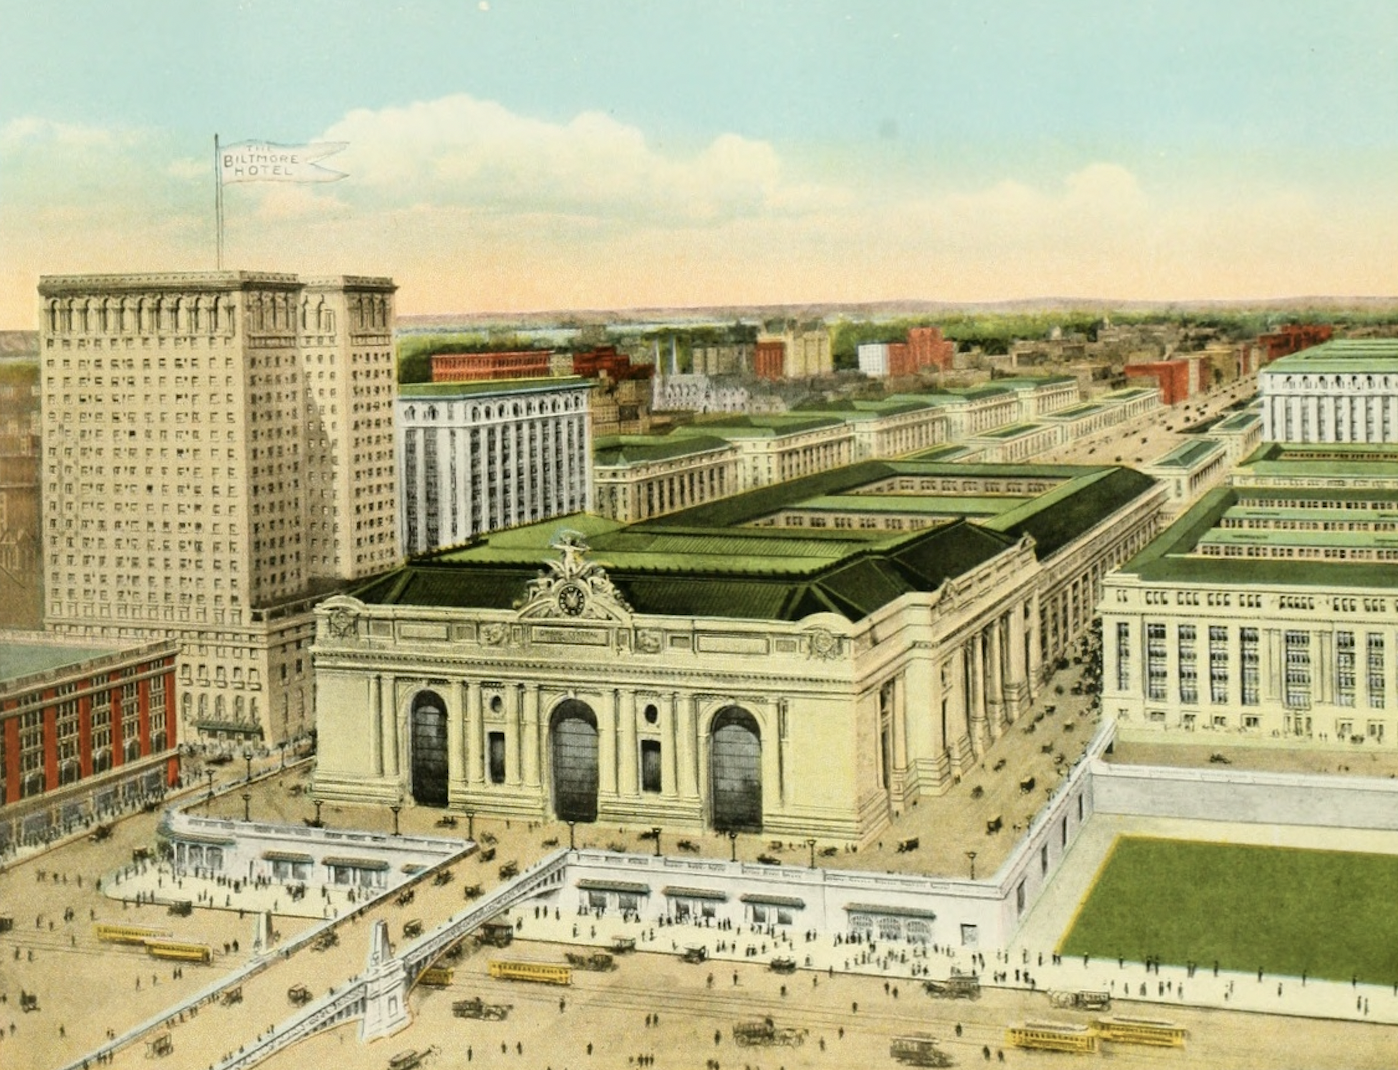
(1375, 661)
(495, 746)
(1157, 679)
(1344, 668)
(1298, 670)
(1248, 654)
(1189, 667)
(1218, 664)
(1123, 655)
(31, 753)
(650, 765)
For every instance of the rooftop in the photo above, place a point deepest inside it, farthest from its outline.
(709, 561)
(760, 426)
(1329, 459)
(619, 450)
(1342, 355)
(26, 658)
(1188, 454)
(475, 388)
(1011, 431)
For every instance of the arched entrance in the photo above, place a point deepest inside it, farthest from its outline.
(429, 749)
(573, 746)
(735, 771)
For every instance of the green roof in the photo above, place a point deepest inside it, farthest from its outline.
(1345, 355)
(913, 504)
(1169, 558)
(705, 561)
(1010, 431)
(1293, 537)
(1030, 382)
(1322, 459)
(1188, 454)
(864, 409)
(1086, 408)
(948, 451)
(407, 391)
(616, 451)
(25, 659)
(773, 426)
(1126, 393)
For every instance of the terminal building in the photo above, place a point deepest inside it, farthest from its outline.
(85, 731)
(1267, 610)
(701, 670)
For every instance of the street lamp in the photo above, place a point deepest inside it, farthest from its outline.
(282, 747)
(317, 823)
(210, 800)
(733, 846)
(247, 757)
(656, 833)
(396, 807)
(571, 826)
(470, 824)
(247, 801)
(811, 844)
(972, 856)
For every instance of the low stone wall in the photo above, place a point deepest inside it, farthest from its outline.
(1240, 796)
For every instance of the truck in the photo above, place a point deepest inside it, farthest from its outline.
(598, 961)
(958, 986)
(475, 1007)
(764, 1032)
(918, 1049)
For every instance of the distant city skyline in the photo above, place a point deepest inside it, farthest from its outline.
(512, 156)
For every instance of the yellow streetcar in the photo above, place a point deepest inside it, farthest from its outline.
(1123, 1030)
(127, 934)
(540, 972)
(180, 951)
(1054, 1036)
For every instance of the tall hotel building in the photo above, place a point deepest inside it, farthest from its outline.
(217, 456)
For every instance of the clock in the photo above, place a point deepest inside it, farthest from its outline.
(572, 599)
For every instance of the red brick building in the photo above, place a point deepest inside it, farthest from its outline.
(472, 367)
(769, 360)
(1293, 338)
(1178, 379)
(84, 731)
(927, 349)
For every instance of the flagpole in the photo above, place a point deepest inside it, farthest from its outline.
(218, 204)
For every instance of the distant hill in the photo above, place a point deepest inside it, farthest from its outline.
(878, 309)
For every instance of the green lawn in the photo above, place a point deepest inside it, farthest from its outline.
(1329, 913)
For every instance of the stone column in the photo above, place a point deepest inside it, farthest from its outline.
(475, 736)
(389, 711)
(1017, 691)
(1035, 641)
(900, 728)
(975, 665)
(671, 782)
(627, 758)
(456, 756)
(995, 707)
(514, 731)
(375, 726)
(531, 736)
(606, 748)
(689, 771)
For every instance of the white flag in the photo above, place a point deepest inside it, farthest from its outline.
(262, 161)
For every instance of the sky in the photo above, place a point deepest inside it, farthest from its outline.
(512, 155)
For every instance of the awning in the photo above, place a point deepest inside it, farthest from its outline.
(694, 893)
(774, 900)
(356, 863)
(890, 912)
(194, 837)
(630, 887)
(286, 856)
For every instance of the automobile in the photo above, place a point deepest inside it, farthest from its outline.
(694, 955)
(299, 995)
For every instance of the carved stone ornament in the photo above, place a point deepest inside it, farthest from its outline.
(648, 642)
(494, 634)
(342, 623)
(825, 644)
(573, 588)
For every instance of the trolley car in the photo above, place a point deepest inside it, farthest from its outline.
(764, 1031)
(1122, 1030)
(436, 976)
(475, 1007)
(958, 986)
(918, 1049)
(1083, 1001)
(496, 934)
(180, 951)
(127, 934)
(1054, 1036)
(546, 973)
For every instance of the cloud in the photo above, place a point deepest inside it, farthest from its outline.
(459, 150)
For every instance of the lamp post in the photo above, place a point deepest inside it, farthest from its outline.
(571, 826)
(732, 846)
(247, 803)
(318, 823)
(396, 808)
(656, 833)
(972, 856)
(811, 844)
(247, 757)
(210, 800)
(470, 824)
(282, 747)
